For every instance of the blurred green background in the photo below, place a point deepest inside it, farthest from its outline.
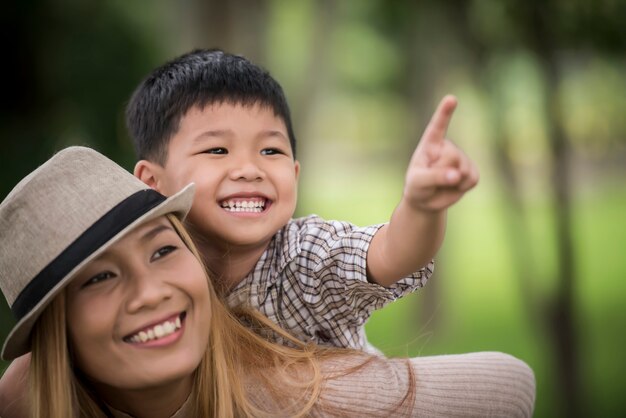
(533, 263)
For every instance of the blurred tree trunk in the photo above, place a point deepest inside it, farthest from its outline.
(236, 26)
(561, 312)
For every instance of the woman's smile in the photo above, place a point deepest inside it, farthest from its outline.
(160, 334)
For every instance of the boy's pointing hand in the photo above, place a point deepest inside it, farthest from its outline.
(439, 173)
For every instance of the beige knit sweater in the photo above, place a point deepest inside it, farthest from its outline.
(487, 384)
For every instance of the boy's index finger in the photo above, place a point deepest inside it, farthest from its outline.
(438, 125)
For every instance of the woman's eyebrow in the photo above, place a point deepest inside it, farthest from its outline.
(152, 232)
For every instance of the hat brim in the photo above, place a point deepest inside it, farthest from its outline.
(17, 342)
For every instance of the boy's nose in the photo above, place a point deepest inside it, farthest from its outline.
(248, 171)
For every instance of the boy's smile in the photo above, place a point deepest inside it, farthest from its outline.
(246, 177)
(245, 204)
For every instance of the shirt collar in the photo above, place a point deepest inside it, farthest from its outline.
(282, 249)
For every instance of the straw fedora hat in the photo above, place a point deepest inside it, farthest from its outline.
(60, 217)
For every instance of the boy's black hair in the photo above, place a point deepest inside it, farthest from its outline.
(199, 78)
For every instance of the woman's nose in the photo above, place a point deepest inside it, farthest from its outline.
(147, 292)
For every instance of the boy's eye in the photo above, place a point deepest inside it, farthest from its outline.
(271, 151)
(218, 151)
(163, 251)
(100, 277)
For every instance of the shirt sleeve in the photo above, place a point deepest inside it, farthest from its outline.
(334, 259)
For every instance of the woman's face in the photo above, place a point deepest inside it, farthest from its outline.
(138, 316)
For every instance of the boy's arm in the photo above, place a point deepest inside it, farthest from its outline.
(439, 174)
(14, 389)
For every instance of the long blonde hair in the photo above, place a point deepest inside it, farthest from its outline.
(290, 379)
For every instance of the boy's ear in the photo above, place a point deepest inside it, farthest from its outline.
(148, 172)
(297, 168)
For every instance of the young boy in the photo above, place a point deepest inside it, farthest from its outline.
(222, 122)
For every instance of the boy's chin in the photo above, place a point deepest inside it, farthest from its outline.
(234, 238)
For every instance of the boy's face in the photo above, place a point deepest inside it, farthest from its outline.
(242, 163)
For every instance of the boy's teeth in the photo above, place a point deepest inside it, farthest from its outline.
(255, 205)
(158, 331)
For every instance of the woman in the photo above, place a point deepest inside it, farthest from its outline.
(113, 303)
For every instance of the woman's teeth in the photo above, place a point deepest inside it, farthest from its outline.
(254, 206)
(158, 331)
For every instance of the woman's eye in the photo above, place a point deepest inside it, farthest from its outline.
(100, 277)
(271, 151)
(163, 251)
(218, 151)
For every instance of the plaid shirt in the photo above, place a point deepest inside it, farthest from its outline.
(312, 281)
